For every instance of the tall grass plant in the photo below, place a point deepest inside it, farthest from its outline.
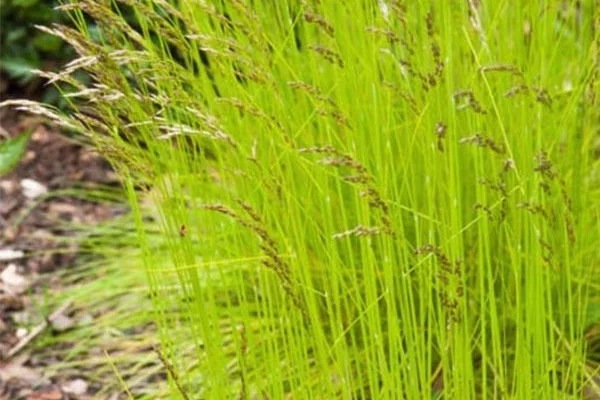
(360, 199)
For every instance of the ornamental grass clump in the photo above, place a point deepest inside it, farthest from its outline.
(360, 199)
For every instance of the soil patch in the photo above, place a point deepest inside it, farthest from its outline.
(36, 203)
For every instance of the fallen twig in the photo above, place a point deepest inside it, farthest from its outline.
(38, 329)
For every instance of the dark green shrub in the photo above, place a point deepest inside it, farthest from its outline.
(24, 47)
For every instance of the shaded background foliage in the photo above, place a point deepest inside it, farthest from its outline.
(23, 47)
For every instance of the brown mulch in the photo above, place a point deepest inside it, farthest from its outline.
(30, 228)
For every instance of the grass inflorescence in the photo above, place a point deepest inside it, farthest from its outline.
(360, 199)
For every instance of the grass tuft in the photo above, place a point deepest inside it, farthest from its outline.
(392, 200)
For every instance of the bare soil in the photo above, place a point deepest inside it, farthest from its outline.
(32, 229)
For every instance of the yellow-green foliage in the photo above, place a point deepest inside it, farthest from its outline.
(360, 199)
